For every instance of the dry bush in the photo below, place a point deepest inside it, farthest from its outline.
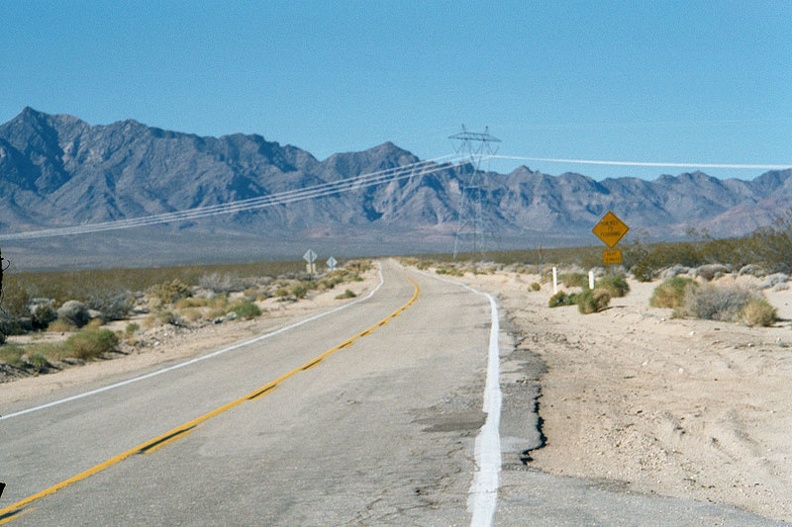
(759, 312)
(91, 343)
(615, 284)
(589, 301)
(671, 293)
(716, 302)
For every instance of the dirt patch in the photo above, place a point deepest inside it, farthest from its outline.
(685, 408)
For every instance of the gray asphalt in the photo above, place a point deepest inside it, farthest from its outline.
(379, 433)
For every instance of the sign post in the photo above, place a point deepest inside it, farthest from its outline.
(610, 230)
(332, 263)
(310, 257)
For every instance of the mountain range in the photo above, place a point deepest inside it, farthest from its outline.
(58, 171)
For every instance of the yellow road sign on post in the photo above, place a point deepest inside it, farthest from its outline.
(612, 257)
(610, 229)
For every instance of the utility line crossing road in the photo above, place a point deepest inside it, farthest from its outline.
(380, 431)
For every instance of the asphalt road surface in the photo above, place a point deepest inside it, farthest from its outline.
(380, 431)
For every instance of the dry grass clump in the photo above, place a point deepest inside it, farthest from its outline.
(671, 293)
(759, 312)
(615, 284)
(593, 301)
(728, 303)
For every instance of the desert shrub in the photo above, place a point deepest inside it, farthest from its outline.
(170, 292)
(759, 312)
(450, 271)
(346, 294)
(131, 328)
(674, 270)
(42, 314)
(561, 299)
(536, 286)
(299, 290)
(671, 293)
(246, 310)
(114, 304)
(220, 282)
(192, 301)
(615, 284)
(74, 313)
(169, 317)
(774, 280)
(751, 270)
(91, 343)
(38, 362)
(60, 326)
(592, 301)
(716, 302)
(12, 355)
(711, 271)
(574, 279)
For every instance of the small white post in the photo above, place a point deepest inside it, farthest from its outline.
(555, 280)
(591, 279)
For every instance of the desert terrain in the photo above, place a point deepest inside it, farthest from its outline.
(631, 396)
(674, 407)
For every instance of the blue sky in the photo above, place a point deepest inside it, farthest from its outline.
(689, 81)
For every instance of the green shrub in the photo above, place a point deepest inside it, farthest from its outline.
(246, 310)
(615, 284)
(299, 290)
(131, 328)
(39, 362)
(11, 354)
(671, 293)
(346, 294)
(759, 312)
(561, 299)
(91, 343)
(536, 286)
(574, 280)
(594, 301)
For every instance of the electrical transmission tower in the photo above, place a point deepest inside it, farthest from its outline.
(471, 228)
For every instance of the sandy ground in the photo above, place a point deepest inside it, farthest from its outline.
(685, 408)
(632, 396)
(170, 343)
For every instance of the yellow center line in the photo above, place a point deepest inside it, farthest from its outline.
(15, 510)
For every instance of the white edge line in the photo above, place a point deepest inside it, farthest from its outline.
(483, 492)
(197, 359)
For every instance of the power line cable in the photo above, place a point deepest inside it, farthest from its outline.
(642, 163)
(282, 198)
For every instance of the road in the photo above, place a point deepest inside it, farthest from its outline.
(380, 431)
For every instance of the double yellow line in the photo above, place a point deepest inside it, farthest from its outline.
(15, 510)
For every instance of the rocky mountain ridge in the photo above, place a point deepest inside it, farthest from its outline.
(57, 170)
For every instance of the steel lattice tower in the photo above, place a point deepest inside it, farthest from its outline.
(470, 227)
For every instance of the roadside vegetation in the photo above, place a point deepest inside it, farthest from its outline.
(64, 315)
(689, 273)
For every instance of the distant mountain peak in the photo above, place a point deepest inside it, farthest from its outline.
(59, 170)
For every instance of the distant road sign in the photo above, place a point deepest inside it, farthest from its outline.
(310, 256)
(610, 229)
(331, 263)
(612, 257)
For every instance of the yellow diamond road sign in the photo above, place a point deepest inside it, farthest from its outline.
(610, 229)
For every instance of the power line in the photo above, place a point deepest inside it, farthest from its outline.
(642, 163)
(282, 198)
